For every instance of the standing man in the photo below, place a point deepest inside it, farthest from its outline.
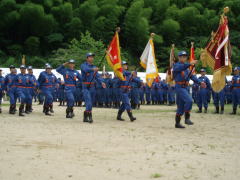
(30, 89)
(181, 76)
(219, 97)
(11, 89)
(89, 75)
(236, 89)
(47, 82)
(124, 92)
(203, 92)
(1, 89)
(21, 84)
(70, 76)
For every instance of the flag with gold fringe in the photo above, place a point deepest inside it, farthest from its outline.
(169, 74)
(148, 62)
(113, 56)
(217, 54)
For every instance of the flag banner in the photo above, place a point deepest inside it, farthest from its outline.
(217, 54)
(148, 62)
(192, 58)
(113, 56)
(169, 74)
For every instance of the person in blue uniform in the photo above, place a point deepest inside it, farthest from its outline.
(107, 92)
(195, 89)
(116, 92)
(47, 82)
(202, 99)
(148, 94)
(89, 76)
(228, 92)
(181, 76)
(235, 89)
(219, 98)
(135, 85)
(78, 94)
(21, 84)
(124, 92)
(2, 87)
(61, 95)
(164, 87)
(154, 91)
(70, 76)
(142, 89)
(31, 87)
(10, 88)
(171, 94)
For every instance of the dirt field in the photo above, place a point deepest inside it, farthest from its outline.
(37, 147)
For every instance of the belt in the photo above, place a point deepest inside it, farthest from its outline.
(72, 85)
(88, 82)
(20, 86)
(28, 87)
(236, 87)
(48, 86)
(125, 86)
(183, 83)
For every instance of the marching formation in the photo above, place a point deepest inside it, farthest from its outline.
(103, 90)
(126, 91)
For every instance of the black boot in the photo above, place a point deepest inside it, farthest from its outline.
(178, 119)
(90, 117)
(46, 111)
(138, 106)
(222, 110)
(85, 116)
(187, 119)
(72, 113)
(119, 116)
(60, 104)
(51, 108)
(205, 110)
(217, 110)
(30, 108)
(130, 115)
(11, 109)
(0, 110)
(21, 109)
(234, 111)
(68, 113)
(27, 109)
(199, 110)
(14, 108)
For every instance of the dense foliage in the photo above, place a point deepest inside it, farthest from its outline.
(56, 30)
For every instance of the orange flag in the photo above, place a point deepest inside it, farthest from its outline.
(113, 56)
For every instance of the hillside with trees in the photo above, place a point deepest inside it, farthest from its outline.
(56, 30)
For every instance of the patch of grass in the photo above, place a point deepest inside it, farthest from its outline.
(157, 175)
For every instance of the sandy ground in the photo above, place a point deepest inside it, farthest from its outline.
(37, 147)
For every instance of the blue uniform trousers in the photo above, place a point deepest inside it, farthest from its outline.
(184, 100)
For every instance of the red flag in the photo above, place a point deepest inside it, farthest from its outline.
(192, 58)
(113, 57)
(217, 54)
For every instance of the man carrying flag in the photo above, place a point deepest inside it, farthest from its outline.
(113, 57)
